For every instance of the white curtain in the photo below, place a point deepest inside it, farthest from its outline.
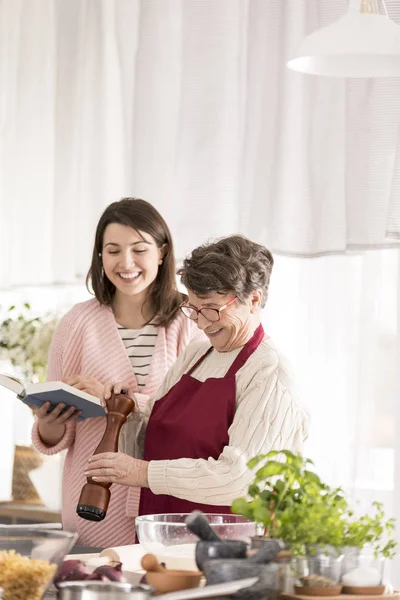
(187, 103)
(338, 320)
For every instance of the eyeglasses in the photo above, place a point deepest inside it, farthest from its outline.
(211, 314)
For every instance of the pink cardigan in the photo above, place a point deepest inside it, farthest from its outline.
(87, 342)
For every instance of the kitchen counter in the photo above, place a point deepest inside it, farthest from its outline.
(14, 513)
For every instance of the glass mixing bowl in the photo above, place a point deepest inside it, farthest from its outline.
(168, 538)
(29, 558)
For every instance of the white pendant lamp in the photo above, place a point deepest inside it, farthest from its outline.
(363, 43)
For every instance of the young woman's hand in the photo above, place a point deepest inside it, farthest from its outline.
(52, 425)
(57, 416)
(90, 385)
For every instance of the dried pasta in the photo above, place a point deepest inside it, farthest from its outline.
(23, 578)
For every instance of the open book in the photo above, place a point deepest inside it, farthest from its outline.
(36, 394)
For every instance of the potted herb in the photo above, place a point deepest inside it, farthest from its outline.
(290, 502)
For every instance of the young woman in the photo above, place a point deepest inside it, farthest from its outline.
(131, 331)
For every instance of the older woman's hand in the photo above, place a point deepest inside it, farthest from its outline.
(116, 467)
(116, 387)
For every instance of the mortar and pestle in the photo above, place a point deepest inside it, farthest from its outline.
(232, 569)
(211, 546)
(227, 560)
(95, 496)
(168, 580)
(259, 565)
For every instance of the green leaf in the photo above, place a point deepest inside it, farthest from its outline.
(240, 506)
(268, 496)
(271, 469)
(311, 476)
(256, 460)
(279, 485)
(262, 515)
(288, 454)
(254, 490)
(273, 453)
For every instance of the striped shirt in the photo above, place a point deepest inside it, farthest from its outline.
(139, 345)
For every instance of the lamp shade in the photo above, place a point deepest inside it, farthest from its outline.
(356, 45)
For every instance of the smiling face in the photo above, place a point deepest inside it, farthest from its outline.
(131, 259)
(237, 322)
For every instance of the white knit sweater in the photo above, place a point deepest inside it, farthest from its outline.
(267, 417)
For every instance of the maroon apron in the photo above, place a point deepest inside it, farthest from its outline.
(192, 421)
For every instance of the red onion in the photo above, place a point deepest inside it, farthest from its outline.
(111, 572)
(97, 577)
(71, 570)
(76, 570)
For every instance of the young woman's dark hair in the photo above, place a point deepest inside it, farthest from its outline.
(141, 216)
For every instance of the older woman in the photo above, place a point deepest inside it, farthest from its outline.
(222, 402)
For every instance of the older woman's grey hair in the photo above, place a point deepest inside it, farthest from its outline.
(232, 264)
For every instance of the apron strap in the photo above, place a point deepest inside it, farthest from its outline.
(243, 355)
(246, 351)
(196, 364)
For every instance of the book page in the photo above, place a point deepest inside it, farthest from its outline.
(12, 383)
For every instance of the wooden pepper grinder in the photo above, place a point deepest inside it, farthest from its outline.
(95, 496)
